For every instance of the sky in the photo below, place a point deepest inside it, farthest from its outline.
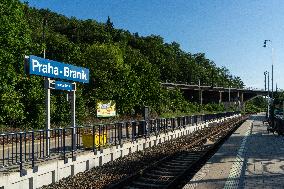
(230, 32)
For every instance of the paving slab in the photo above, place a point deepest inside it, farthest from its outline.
(250, 158)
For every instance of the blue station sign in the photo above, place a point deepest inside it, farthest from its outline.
(54, 69)
(60, 85)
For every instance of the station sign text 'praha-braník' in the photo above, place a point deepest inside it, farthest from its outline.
(54, 69)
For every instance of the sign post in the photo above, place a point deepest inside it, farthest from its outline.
(47, 119)
(73, 117)
(52, 69)
(47, 112)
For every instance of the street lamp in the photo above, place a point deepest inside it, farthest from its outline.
(272, 61)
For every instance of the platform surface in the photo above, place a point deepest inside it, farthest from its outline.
(250, 158)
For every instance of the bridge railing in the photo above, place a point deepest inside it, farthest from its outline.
(23, 150)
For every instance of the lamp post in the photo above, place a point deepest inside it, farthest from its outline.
(272, 61)
(266, 73)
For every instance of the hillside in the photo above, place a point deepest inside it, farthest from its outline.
(124, 67)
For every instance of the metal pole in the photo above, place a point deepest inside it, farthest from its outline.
(265, 73)
(272, 100)
(73, 115)
(272, 59)
(21, 152)
(268, 94)
(265, 80)
(73, 100)
(47, 96)
(272, 62)
(283, 106)
(47, 110)
(33, 149)
(268, 84)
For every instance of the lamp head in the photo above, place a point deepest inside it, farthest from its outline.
(264, 44)
(265, 41)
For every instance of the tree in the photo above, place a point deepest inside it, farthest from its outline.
(109, 24)
(14, 44)
(124, 67)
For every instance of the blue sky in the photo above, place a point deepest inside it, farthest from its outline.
(229, 32)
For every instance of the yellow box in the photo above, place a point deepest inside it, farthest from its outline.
(87, 140)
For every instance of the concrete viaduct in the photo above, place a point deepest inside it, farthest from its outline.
(208, 94)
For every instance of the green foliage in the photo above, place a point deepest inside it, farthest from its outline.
(14, 43)
(214, 107)
(258, 104)
(279, 98)
(123, 67)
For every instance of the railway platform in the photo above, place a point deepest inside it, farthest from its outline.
(250, 158)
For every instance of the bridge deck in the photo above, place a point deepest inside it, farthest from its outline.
(213, 88)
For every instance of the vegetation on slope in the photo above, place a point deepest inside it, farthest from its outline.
(124, 67)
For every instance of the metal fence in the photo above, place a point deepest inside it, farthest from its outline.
(24, 150)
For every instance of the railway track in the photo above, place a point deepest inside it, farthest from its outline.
(167, 165)
(171, 170)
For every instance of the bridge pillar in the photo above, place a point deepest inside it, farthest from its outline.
(220, 97)
(239, 101)
(200, 97)
(242, 97)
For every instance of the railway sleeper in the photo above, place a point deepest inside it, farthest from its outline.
(164, 172)
(179, 163)
(146, 185)
(162, 180)
(169, 166)
(189, 158)
(171, 169)
(130, 187)
(190, 155)
(156, 176)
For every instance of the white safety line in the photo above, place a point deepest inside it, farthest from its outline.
(235, 175)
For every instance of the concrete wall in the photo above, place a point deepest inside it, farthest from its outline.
(54, 170)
